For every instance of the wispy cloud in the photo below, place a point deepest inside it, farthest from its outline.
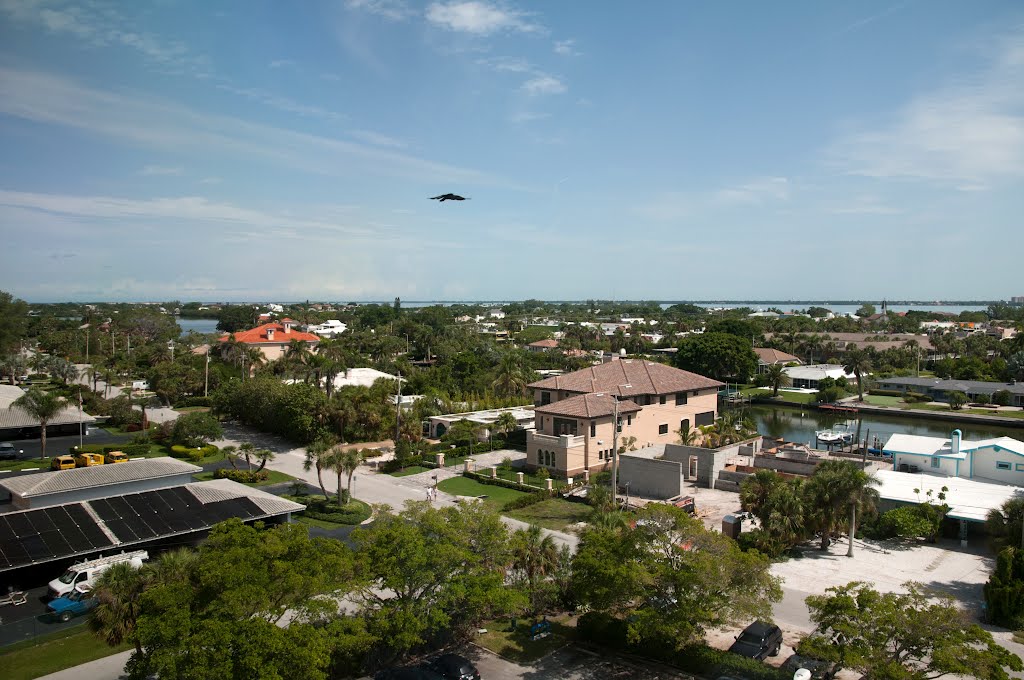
(377, 139)
(211, 180)
(755, 191)
(395, 10)
(281, 63)
(968, 133)
(527, 116)
(478, 17)
(544, 84)
(507, 64)
(865, 204)
(157, 124)
(567, 48)
(161, 170)
(281, 103)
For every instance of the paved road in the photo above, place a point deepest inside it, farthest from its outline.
(61, 445)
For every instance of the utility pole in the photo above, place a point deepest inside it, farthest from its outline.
(206, 375)
(615, 452)
(398, 410)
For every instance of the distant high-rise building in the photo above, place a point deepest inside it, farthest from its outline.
(1017, 299)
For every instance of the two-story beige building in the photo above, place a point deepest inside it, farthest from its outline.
(273, 339)
(574, 412)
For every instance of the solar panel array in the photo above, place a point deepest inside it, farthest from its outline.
(68, 530)
(48, 533)
(153, 514)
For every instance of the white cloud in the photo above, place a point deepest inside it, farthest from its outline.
(507, 64)
(544, 84)
(161, 170)
(158, 124)
(567, 48)
(478, 18)
(527, 116)
(865, 205)
(755, 191)
(395, 10)
(281, 63)
(281, 103)
(377, 139)
(211, 180)
(967, 133)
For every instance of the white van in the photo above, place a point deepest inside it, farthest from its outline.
(88, 572)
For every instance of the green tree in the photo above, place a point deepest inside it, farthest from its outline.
(1004, 592)
(1005, 524)
(858, 362)
(119, 592)
(344, 462)
(13, 322)
(688, 436)
(318, 456)
(234, 318)
(755, 490)
(196, 429)
(511, 377)
(41, 406)
(915, 635)
(671, 578)
(866, 309)
(832, 494)
(249, 452)
(535, 556)
(776, 377)
(722, 356)
(957, 400)
(506, 423)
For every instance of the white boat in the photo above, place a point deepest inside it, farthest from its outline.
(838, 434)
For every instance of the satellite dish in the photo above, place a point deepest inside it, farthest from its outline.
(802, 674)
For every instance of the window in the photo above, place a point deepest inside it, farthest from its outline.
(1001, 465)
(680, 398)
(706, 418)
(1020, 467)
(629, 419)
(696, 392)
(540, 457)
(618, 426)
(684, 424)
(593, 428)
(663, 399)
(545, 398)
(936, 462)
(663, 429)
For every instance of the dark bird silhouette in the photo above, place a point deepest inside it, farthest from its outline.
(448, 197)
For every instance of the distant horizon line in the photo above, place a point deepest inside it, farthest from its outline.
(499, 301)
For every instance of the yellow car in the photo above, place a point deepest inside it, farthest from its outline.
(115, 457)
(62, 463)
(88, 459)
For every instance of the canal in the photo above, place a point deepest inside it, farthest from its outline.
(799, 425)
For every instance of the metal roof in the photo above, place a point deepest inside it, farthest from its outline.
(976, 386)
(13, 416)
(43, 483)
(968, 499)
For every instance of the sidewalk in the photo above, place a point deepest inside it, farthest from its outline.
(108, 668)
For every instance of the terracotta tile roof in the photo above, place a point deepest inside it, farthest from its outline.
(769, 355)
(259, 335)
(546, 342)
(643, 377)
(596, 405)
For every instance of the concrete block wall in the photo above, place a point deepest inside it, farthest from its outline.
(650, 478)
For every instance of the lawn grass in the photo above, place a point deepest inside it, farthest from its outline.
(192, 409)
(516, 645)
(1018, 637)
(275, 477)
(883, 400)
(358, 510)
(790, 397)
(51, 653)
(411, 470)
(555, 513)
(497, 496)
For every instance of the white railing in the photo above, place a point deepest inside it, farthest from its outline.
(565, 441)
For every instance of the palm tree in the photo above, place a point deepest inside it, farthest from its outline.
(42, 406)
(755, 491)
(1006, 524)
(862, 496)
(119, 593)
(858, 363)
(317, 456)
(688, 436)
(506, 423)
(344, 461)
(835, 486)
(535, 556)
(511, 377)
(249, 451)
(777, 377)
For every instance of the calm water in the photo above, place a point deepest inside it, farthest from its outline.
(798, 426)
(197, 325)
(846, 309)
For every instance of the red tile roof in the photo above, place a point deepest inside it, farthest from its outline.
(773, 356)
(642, 377)
(546, 342)
(258, 335)
(598, 405)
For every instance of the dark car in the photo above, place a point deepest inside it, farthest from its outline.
(454, 667)
(8, 452)
(408, 673)
(758, 641)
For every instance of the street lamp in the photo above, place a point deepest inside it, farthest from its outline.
(615, 447)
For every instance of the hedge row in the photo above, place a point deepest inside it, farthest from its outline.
(498, 481)
(525, 501)
(193, 401)
(607, 631)
(885, 393)
(194, 455)
(242, 476)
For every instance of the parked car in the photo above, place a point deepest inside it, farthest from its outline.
(758, 640)
(88, 459)
(454, 667)
(62, 463)
(8, 452)
(112, 457)
(407, 673)
(86, 573)
(78, 601)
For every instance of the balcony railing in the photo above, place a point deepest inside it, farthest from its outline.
(565, 441)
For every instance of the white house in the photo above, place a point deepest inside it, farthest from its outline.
(809, 376)
(998, 460)
(328, 329)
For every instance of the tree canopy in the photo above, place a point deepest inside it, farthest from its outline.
(722, 356)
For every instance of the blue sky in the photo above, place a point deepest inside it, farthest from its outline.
(662, 150)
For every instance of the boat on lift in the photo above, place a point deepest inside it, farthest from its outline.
(837, 435)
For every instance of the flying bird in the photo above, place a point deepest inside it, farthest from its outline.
(448, 197)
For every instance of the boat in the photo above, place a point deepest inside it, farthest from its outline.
(836, 435)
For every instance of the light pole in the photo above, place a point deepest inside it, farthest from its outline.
(398, 410)
(206, 375)
(615, 447)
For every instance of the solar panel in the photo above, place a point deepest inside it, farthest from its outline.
(20, 524)
(35, 548)
(4, 562)
(40, 522)
(102, 507)
(88, 526)
(6, 533)
(149, 514)
(68, 529)
(121, 509)
(121, 529)
(16, 553)
(143, 530)
(54, 540)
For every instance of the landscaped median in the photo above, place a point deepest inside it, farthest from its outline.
(525, 503)
(327, 514)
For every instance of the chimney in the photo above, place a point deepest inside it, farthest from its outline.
(287, 326)
(270, 334)
(954, 441)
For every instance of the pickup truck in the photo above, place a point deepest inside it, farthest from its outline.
(78, 601)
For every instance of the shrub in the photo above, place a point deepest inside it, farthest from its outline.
(329, 511)
(1002, 398)
(135, 450)
(957, 399)
(525, 501)
(242, 476)
(498, 481)
(193, 401)
(122, 413)
(982, 399)
(885, 393)
(828, 395)
(195, 429)
(1004, 592)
